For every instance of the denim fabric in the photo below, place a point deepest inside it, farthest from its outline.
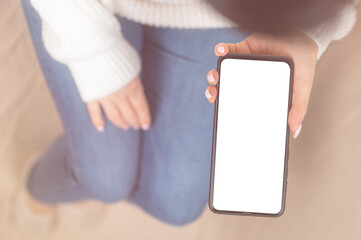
(164, 170)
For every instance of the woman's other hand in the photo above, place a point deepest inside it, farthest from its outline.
(125, 107)
(297, 46)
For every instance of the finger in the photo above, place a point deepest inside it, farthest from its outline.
(300, 98)
(95, 114)
(213, 77)
(221, 49)
(113, 114)
(128, 113)
(211, 94)
(140, 105)
(295, 119)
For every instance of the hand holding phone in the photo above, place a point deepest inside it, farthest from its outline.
(296, 46)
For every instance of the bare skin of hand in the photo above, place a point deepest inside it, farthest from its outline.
(297, 46)
(127, 107)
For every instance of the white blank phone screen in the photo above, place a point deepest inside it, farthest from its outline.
(251, 136)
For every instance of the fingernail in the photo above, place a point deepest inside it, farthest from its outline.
(145, 126)
(211, 78)
(220, 49)
(297, 131)
(208, 95)
(100, 128)
(125, 128)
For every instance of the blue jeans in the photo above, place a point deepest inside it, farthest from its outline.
(164, 170)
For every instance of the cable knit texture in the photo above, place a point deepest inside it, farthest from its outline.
(86, 36)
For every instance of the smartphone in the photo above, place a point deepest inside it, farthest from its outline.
(250, 135)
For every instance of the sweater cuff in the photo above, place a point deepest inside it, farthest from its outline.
(103, 74)
(334, 29)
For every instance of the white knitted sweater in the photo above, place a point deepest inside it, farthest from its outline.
(86, 36)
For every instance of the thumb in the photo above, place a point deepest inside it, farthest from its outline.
(222, 49)
(300, 97)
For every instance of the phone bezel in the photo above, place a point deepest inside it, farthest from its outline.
(214, 139)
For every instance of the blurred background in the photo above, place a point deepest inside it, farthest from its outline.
(324, 193)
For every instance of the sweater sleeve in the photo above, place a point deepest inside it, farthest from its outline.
(339, 26)
(86, 36)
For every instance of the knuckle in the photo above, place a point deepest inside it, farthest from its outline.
(304, 111)
(134, 88)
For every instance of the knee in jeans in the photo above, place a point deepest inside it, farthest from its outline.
(108, 185)
(181, 212)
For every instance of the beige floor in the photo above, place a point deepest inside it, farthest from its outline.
(324, 193)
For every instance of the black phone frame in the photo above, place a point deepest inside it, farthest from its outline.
(215, 123)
